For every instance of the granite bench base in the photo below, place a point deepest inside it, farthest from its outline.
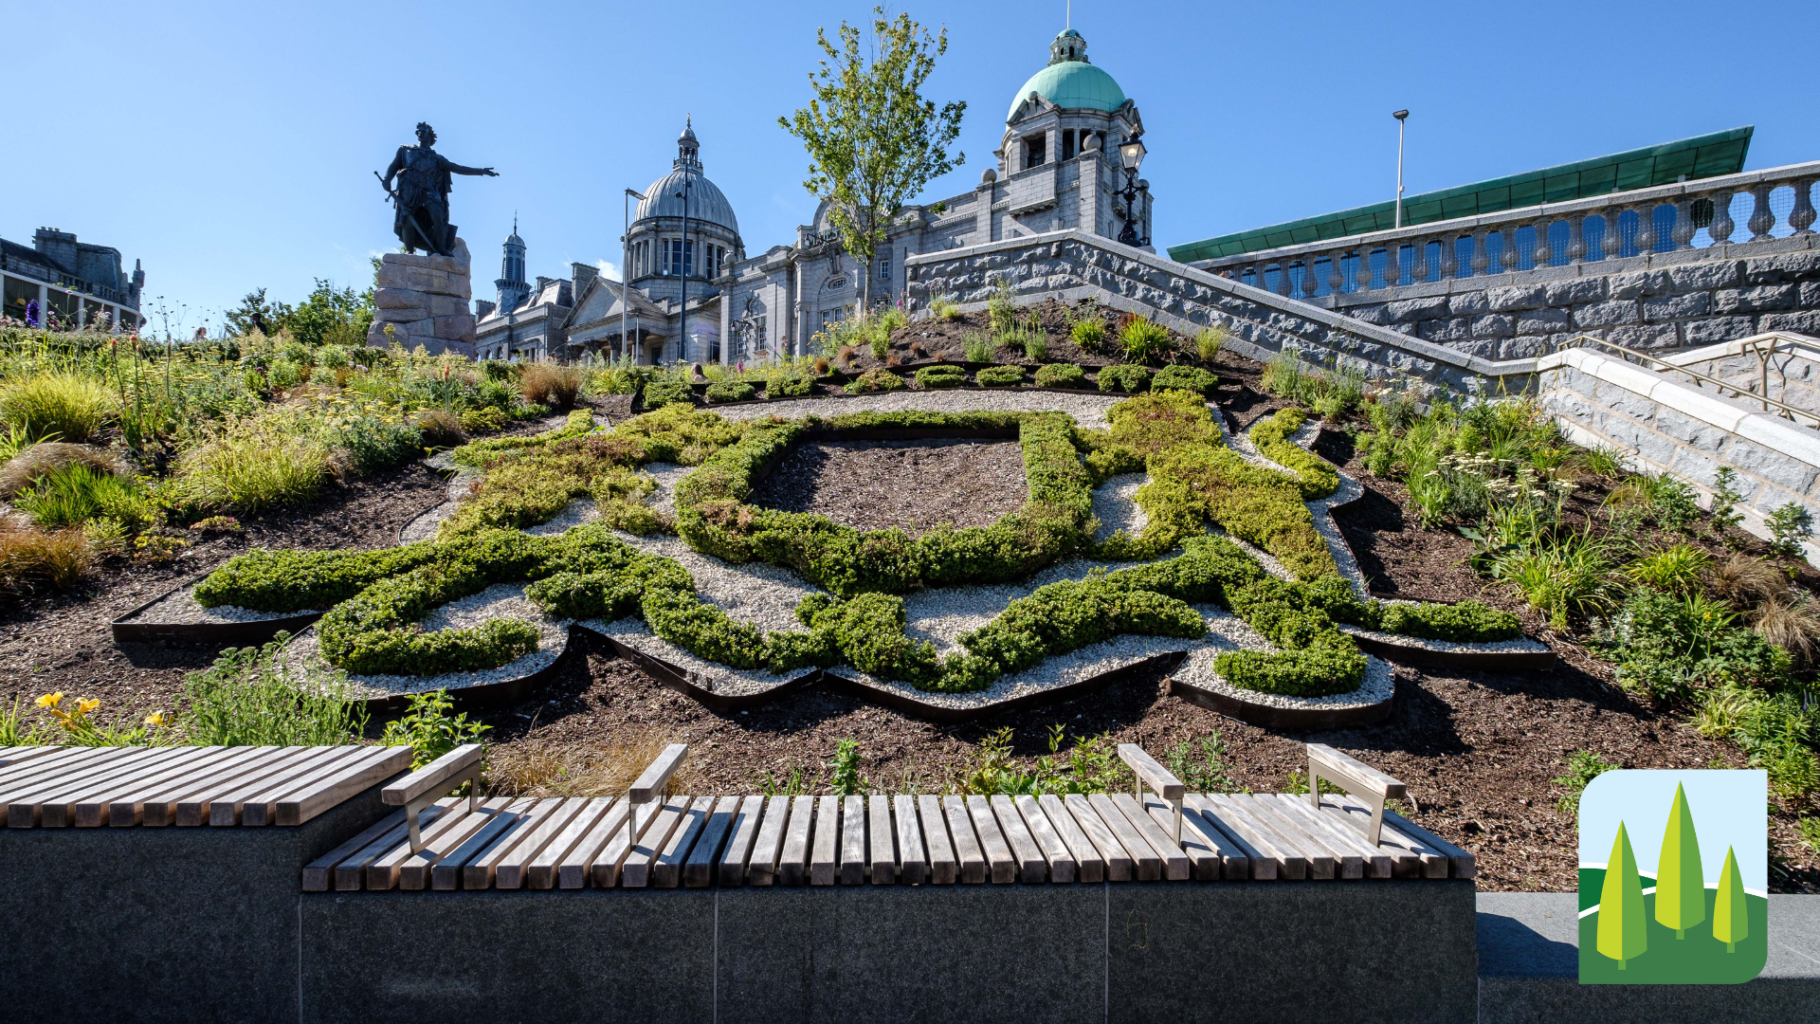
(1529, 970)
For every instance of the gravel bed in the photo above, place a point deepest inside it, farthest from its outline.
(1519, 645)
(180, 606)
(424, 526)
(1115, 505)
(709, 675)
(911, 485)
(763, 595)
(667, 475)
(1087, 410)
(1379, 686)
(582, 510)
(501, 601)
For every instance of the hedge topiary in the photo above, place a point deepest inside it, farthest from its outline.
(1000, 376)
(730, 391)
(1184, 378)
(659, 393)
(1060, 375)
(788, 385)
(1465, 622)
(875, 380)
(1126, 377)
(942, 376)
(1271, 435)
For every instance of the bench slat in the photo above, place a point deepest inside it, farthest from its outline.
(636, 873)
(607, 868)
(19, 755)
(453, 825)
(999, 859)
(415, 870)
(1234, 819)
(76, 764)
(350, 874)
(319, 874)
(482, 872)
(912, 856)
(1429, 861)
(1375, 861)
(650, 784)
(577, 867)
(1248, 861)
(767, 849)
(540, 872)
(224, 808)
(1118, 864)
(852, 870)
(1146, 863)
(1089, 866)
(967, 851)
(513, 869)
(339, 781)
(1055, 852)
(97, 810)
(1154, 775)
(1349, 769)
(1325, 861)
(64, 809)
(944, 864)
(1032, 867)
(307, 802)
(1173, 860)
(1203, 851)
(881, 861)
(666, 870)
(824, 845)
(24, 806)
(436, 773)
(54, 761)
(743, 831)
(698, 870)
(159, 808)
(1463, 862)
(446, 874)
(793, 866)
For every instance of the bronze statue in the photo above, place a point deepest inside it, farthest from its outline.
(422, 197)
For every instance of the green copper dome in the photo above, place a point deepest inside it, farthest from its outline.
(1069, 81)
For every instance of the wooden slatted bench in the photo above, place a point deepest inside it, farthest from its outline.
(647, 840)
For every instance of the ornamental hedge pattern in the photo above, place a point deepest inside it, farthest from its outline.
(374, 600)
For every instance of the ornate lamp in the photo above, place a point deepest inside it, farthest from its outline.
(1131, 155)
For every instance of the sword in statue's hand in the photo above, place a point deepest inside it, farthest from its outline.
(388, 189)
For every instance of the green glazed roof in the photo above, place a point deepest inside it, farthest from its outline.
(1703, 156)
(1071, 84)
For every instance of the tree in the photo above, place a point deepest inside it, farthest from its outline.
(1731, 915)
(1623, 932)
(1680, 883)
(255, 313)
(873, 140)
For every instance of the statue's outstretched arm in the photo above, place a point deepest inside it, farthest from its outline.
(455, 168)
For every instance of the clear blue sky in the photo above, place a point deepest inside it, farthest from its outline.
(230, 145)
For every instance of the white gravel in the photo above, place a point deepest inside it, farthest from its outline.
(1519, 645)
(709, 675)
(1115, 505)
(424, 526)
(179, 606)
(505, 600)
(667, 475)
(1379, 686)
(1087, 410)
(582, 510)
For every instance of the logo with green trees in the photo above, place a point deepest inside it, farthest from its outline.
(1681, 898)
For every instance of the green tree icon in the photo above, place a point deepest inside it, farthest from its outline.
(1623, 933)
(1680, 884)
(1731, 918)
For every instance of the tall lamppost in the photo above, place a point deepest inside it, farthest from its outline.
(1131, 155)
(1401, 116)
(625, 270)
(683, 262)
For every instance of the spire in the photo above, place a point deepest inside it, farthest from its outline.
(688, 148)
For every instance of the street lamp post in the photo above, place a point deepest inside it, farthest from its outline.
(683, 262)
(625, 270)
(1401, 116)
(1131, 155)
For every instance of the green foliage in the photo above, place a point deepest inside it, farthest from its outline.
(1778, 732)
(1676, 569)
(1209, 341)
(1088, 333)
(1788, 524)
(1272, 436)
(1809, 831)
(57, 406)
(1144, 341)
(1000, 376)
(943, 307)
(253, 466)
(730, 391)
(875, 380)
(663, 391)
(788, 384)
(1036, 344)
(1607, 462)
(1583, 766)
(1671, 646)
(1001, 310)
(328, 315)
(873, 139)
(1467, 622)
(1124, 377)
(1205, 770)
(1060, 375)
(846, 779)
(978, 348)
(74, 494)
(941, 376)
(249, 698)
(1185, 378)
(1561, 574)
(430, 728)
(1089, 766)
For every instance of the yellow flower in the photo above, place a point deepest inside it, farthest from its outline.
(86, 705)
(155, 720)
(50, 700)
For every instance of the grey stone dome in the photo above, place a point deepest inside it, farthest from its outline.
(706, 202)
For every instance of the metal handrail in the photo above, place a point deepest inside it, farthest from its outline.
(1788, 412)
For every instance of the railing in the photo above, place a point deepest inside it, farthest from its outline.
(1775, 203)
(1762, 346)
(62, 280)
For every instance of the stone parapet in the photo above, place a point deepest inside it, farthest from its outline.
(422, 299)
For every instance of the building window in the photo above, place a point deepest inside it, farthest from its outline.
(18, 293)
(63, 305)
(1068, 144)
(679, 257)
(1036, 150)
(884, 265)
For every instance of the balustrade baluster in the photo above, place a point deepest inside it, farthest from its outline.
(1611, 242)
(1646, 229)
(1421, 267)
(1364, 274)
(1481, 255)
(1393, 263)
(1450, 256)
(1720, 230)
(1283, 278)
(1310, 282)
(1801, 218)
(1336, 273)
(1761, 218)
(1542, 253)
(1576, 238)
(1682, 234)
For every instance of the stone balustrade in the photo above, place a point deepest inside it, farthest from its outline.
(1723, 212)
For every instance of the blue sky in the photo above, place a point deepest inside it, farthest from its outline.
(1728, 808)
(230, 146)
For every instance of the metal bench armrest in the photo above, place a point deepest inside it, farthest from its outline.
(426, 785)
(1357, 778)
(1149, 772)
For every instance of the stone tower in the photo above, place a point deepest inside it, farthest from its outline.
(513, 289)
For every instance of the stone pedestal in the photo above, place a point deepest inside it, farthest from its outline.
(424, 300)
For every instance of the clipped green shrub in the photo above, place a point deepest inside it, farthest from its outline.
(788, 385)
(944, 376)
(1000, 376)
(1272, 436)
(1124, 377)
(1466, 622)
(730, 391)
(658, 393)
(1185, 378)
(875, 380)
(1061, 375)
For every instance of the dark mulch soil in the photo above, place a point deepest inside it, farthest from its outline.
(910, 485)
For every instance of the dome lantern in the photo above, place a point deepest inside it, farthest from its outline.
(1069, 81)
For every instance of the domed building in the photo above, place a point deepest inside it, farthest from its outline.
(695, 296)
